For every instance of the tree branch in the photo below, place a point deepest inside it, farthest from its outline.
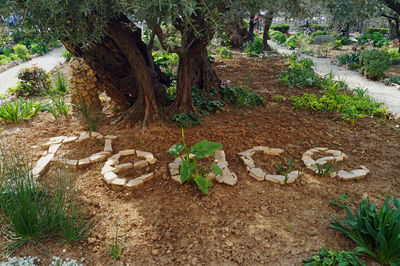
(160, 35)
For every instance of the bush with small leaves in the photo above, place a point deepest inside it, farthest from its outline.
(32, 81)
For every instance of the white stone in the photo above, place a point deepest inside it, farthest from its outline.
(54, 148)
(247, 153)
(174, 171)
(127, 152)
(257, 173)
(174, 165)
(106, 169)
(177, 178)
(229, 178)
(84, 162)
(72, 163)
(222, 165)
(134, 184)
(107, 145)
(292, 176)
(118, 182)
(346, 175)
(220, 156)
(42, 164)
(69, 139)
(140, 164)
(83, 136)
(109, 177)
(115, 157)
(334, 152)
(95, 134)
(210, 177)
(146, 177)
(57, 140)
(273, 151)
(125, 166)
(275, 178)
(110, 137)
(247, 162)
(361, 173)
(146, 155)
(97, 158)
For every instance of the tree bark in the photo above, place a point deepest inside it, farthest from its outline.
(194, 69)
(238, 34)
(269, 16)
(125, 69)
(252, 24)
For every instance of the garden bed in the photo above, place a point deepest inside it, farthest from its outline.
(250, 223)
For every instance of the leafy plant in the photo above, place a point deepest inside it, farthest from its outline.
(291, 42)
(326, 171)
(190, 171)
(67, 55)
(374, 63)
(376, 232)
(340, 202)
(300, 73)
(255, 47)
(39, 48)
(60, 84)
(351, 106)
(32, 81)
(185, 120)
(332, 257)
(225, 52)
(284, 28)
(116, 248)
(277, 36)
(240, 97)
(288, 169)
(19, 110)
(21, 51)
(352, 61)
(30, 211)
(58, 107)
(395, 80)
(93, 118)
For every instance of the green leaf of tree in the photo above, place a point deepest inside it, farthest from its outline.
(186, 170)
(176, 150)
(216, 170)
(205, 148)
(203, 184)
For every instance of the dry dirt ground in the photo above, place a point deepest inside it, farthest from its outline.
(252, 223)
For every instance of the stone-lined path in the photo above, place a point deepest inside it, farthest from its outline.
(377, 90)
(48, 61)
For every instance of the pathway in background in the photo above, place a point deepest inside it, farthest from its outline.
(48, 61)
(377, 90)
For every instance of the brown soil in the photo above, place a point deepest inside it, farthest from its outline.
(393, 71)
(133, 173)
(345, 49)
(251, 223)
(270, 163)
(81, 150)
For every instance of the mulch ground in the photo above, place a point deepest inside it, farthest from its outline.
(251, 223)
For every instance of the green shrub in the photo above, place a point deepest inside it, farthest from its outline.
(206, 104)
(351, 107)
(21, 51)
(277, 36)
(323, 39)
(93, 118)
(372, 30)
(395, 80)
(166, 61)
(345, 40)
(332, 258)
(284, 28)
(352, 61)
(291, 42)
(39, 48)
(60, 85)
(374, 63)
(185, 120)
(4, 59)
(255, 47)
(240, 97)
(377, 39)
(317, 33)
(19, 110)
(31, 211)
(376, 232)
(225, 52)
(58, 107)
(317, 26)
(337, 44)
(67, 55)
(32, 81)
(300, 73)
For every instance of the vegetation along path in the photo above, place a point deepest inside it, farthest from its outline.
(377, 90)
(48, 61)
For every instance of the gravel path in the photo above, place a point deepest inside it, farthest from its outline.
(377, 90)
(48, 61)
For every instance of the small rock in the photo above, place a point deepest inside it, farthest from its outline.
(69, 139)
(125, 166)
(146, 177)
(140, 164)
(177, 178)
(134, 184)
(127, 152)
(346, 175)
(109, 177)
(257, 173)
(84, 162)
(108, 145)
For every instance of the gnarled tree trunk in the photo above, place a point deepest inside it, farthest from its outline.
(124, 69)
(238, 34)
(268, 17)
